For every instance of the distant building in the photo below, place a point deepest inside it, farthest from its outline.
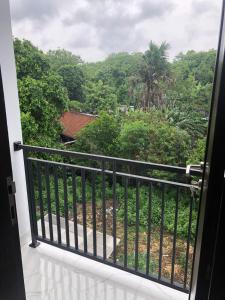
(72, 123)
(125, 108)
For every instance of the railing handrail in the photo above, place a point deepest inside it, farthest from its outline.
(97, 170)
(100, 195)
(97, 157)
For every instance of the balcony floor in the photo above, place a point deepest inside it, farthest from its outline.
(54, 274)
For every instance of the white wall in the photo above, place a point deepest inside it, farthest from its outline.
(7, 63)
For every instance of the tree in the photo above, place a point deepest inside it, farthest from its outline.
(41, 103)
(134, 139)
(61, 57)
(30, 61)
(100, 97)
(187, 119)
(116, 71)
(157, 142)
(73, 79)
(100, 136)
(193, 74)
(155, 68)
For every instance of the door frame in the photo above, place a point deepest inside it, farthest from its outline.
(209, 226)
(11, 270)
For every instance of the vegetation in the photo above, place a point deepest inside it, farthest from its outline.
(170, 99)
(148, 108)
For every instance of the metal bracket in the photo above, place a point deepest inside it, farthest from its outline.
(17, 146)
(189, 167)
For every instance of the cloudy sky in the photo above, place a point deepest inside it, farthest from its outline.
(95, 28)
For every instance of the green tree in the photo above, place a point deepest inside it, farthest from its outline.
(134, 140)
(155, 68)
(193, 74)
(30, 61)
(73, 78)
(157, 142)
(187, 119)
(61, 57)
(99, 97)
(168, 144)
(41, 104)
(116, 71)
(100, 136)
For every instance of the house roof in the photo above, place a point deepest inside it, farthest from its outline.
(73, 122)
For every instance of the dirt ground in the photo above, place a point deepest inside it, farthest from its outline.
(180, 253)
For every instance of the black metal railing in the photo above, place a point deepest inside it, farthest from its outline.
(137, 216)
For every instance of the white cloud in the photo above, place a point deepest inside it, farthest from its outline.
(95, 28)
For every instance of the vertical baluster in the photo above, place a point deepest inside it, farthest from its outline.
(93, 194)
(149, 228)
(66, 213)
(188, 243)
(74, 187)
(49, 201)
(103, 211)
(125, 221)
(114, 212)
(161, 231)
(175, 234)
(40, 200)
(56, 186)
(137, 223)
(32, 199)
(84, 209)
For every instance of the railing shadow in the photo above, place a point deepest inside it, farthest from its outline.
(50, 278)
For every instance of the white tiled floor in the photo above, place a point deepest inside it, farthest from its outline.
(54, 274)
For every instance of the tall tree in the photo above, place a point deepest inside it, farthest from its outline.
(155, 68)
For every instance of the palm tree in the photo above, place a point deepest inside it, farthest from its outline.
(154, 70)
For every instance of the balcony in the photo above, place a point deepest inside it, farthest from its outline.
(131, 216)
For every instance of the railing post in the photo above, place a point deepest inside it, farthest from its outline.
(34, 243)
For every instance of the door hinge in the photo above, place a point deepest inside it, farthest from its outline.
(11, 187)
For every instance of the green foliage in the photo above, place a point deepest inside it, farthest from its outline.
(168, 145)
(198, 153)
(117, 70)
(41, 102)
(164, 143)
(61, 57)
(134, 139)
(199, 64)
(100, 136)
(185, 197)
(73, 79)
(175, 96)
(190, 120)
(30, 61)
(76, 106)
(99, 97)
(42, 95)
(131, 138)
(193, 74)
(169, 209)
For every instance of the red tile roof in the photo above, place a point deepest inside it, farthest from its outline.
(73, 122)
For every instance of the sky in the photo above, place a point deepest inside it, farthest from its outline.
(95, 28)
